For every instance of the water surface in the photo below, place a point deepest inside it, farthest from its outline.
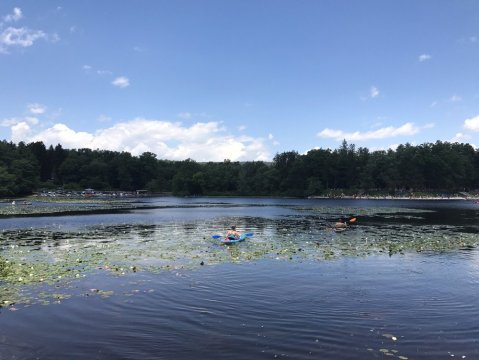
(152, 283)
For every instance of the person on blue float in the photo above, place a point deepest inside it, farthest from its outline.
(232, 234)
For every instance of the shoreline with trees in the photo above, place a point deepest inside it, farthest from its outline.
(432, 170)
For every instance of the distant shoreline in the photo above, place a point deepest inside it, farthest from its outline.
(372, 197)
(26, 200)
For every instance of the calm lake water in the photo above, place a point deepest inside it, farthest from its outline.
(403, 282)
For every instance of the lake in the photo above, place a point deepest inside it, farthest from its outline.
(401, 282)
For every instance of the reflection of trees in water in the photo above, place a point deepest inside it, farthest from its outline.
(298, 233)
(186, 241)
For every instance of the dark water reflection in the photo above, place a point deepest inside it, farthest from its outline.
(345, 309)
(402, 283)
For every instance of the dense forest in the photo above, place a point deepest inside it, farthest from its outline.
(439, 167)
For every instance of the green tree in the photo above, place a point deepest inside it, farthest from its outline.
(7, 182)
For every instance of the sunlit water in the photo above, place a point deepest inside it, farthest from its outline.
(152, 283)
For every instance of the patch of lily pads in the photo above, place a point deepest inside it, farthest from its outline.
(65, 207)
(42, 261)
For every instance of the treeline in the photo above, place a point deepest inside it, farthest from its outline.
(442, 166)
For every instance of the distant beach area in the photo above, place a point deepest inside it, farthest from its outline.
(412, 196)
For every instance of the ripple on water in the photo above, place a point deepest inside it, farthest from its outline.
(137, 289)
(334, 310)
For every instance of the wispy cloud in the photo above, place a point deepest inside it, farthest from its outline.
(169, 140)
(33, 111)
(469, 39)
(31, 120)
(89, 70)
(184, 115)
(272, 139)
(472, 124)
(104, 118)
(455, 98)
(104, 72)
(424, 57)
(386, 132)
(121, 82)
(372, 94)
(36, 109)
(14, 16)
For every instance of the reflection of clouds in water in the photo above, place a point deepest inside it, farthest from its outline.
(186, 242)
(474, 257)
(52, 253)
(180, 237)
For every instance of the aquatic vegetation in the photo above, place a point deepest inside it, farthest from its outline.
(4, 268)
(52, 257)
(63, 207)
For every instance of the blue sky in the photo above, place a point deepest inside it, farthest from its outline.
(243, 80)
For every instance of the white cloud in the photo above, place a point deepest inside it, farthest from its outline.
(473, 39)
(32, 120)
(20, 131)
(15, 121)
(472, 123)
(15, 16)
(460, 137)
(373, 93)
(19, 37)
(241, 128)
(383, 133)
(86, 67)
(169, 140)
(424, 57)
(36, 109)
(121, 82)
(9, 122)
(455, 98)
